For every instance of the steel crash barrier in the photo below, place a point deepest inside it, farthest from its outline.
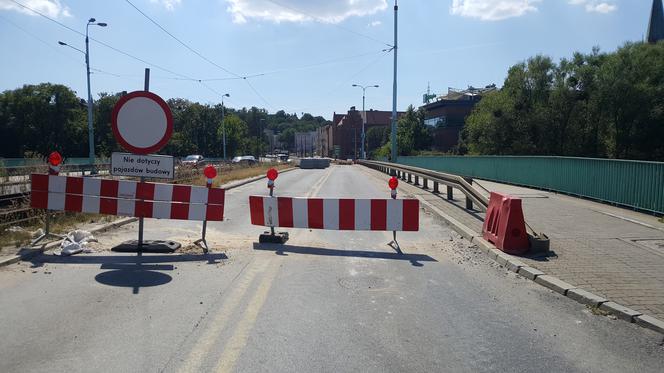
(504, 225)
(343, 214)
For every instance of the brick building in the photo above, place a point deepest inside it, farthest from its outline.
(343, 138)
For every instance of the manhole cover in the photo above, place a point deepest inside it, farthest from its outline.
(362, 282)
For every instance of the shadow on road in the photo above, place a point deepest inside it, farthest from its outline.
(131, 259)
(414, 259)
(131, 271)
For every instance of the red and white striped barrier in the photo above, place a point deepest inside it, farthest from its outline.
(335, 214)
(126, 198)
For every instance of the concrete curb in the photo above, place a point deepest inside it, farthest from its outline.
(551, 282)
(29, 253)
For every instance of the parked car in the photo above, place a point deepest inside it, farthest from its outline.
(245, 159)
(193, 161)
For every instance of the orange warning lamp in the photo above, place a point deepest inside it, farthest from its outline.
(272, 174)
(55, 159)
(210, 172)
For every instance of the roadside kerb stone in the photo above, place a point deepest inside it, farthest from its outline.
(514, 265)
(554, 283)
(619, 310)
(650, 323)
(586, 297)
(501, 257)
(579, 295)
(530, 272)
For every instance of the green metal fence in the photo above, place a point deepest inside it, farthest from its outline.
(635, 184)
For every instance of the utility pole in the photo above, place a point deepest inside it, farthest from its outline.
(91, 137)
(223, 124)
(394, 89)
(363, 153)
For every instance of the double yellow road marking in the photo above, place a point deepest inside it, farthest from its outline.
(268, 268)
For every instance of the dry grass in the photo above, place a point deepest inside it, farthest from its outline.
(237, 173)
(61, 223)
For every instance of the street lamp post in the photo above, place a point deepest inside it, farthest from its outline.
(91, 138)
(223, 124)
(362, 136)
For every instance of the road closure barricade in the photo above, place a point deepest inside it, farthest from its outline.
(126, 198)
(504, 225)
(345, 214)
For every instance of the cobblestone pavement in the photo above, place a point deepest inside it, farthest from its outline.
(613, 252)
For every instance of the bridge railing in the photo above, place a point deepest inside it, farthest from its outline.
(634, 184)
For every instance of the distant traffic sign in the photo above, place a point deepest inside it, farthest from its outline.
(142, 122)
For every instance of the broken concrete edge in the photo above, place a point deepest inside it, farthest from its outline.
(112, 225)
(548, 281)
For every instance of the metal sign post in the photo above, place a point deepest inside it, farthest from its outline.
(394, 183)
(272, 237)
(210, 173)
(142, 123)
(54, 161)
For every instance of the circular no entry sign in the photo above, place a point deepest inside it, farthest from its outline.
(142, 122)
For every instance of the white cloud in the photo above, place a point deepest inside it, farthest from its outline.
(375, 24)
(168, 4)
(51, 8)
(302, 10)
(595, 6)
(492, 10)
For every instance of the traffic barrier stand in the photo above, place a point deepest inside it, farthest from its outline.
(210, 173)
(128, 198)
(54, 161)
(271, 236)
(504, 224)
(333, 214)
(394, 183)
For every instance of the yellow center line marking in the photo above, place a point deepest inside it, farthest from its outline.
(205, 343)
(237, 342)
(319, 184)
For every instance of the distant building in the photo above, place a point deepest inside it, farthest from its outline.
(343, 138)
(447, 114)
(306, 143)
(656, 24)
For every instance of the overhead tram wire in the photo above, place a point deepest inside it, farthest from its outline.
(238, 76)
(181, 42)
(103, 44)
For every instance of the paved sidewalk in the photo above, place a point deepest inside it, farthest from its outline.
(613, 252)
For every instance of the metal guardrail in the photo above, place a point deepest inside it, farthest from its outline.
(634, 184)
(413, 174)
(539, 241)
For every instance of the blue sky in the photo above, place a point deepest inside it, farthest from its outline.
(310, 51)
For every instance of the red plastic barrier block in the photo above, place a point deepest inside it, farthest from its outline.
(504, 225)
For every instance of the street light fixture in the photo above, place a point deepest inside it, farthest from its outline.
(223, 124)
(91, 138)
(364, 89)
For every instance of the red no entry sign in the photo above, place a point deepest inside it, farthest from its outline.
(142, 122)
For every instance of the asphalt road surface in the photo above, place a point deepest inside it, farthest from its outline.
(327, 301)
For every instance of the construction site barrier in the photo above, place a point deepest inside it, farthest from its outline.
(126, 198)
(335, 214)
(504, 225)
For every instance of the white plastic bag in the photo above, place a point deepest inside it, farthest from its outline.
(76, 242)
